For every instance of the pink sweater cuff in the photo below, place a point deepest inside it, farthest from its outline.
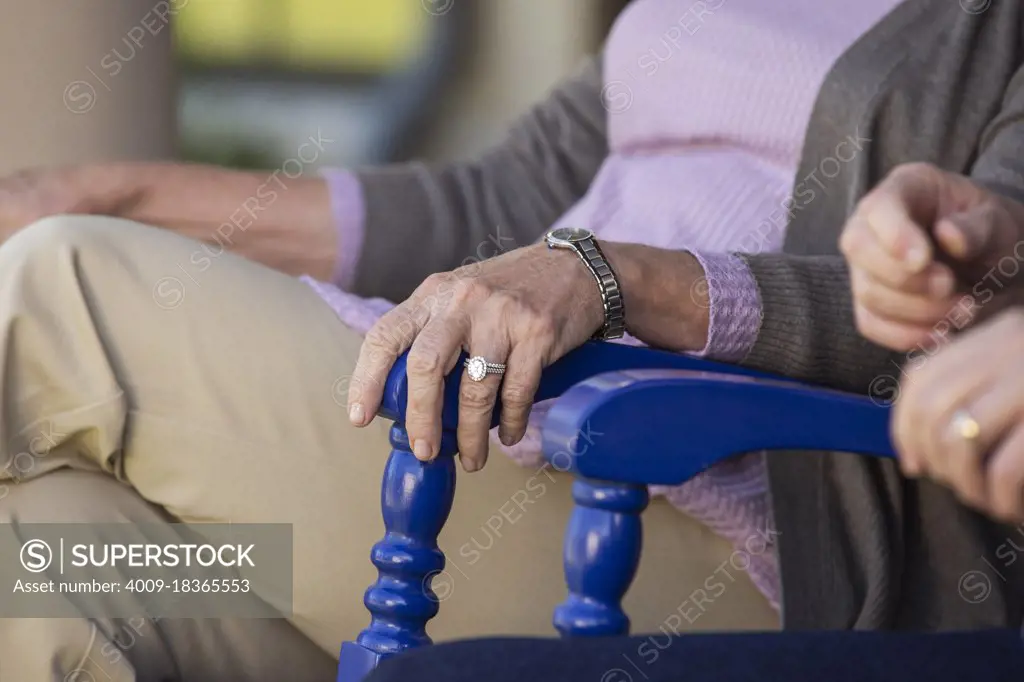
(735, 307)
(349, 212)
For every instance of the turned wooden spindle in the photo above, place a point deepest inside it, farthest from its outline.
(602, 552)
(416, 499)
(600, 431)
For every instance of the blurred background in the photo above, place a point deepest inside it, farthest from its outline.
(244, 83)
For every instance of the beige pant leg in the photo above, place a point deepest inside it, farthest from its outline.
(208, 383)
(136, 648)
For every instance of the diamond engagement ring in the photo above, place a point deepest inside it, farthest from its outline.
(965, 426)
(478, 368)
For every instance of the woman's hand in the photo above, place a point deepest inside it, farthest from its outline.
(960, 417)
(926, 246)
(525, 309)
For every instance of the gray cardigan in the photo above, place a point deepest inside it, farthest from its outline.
(860, 547)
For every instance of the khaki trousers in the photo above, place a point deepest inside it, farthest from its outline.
(163, 391)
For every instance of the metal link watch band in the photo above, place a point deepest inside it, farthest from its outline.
(611, 293)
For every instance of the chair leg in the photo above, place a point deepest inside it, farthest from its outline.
(416, 499)
(602, 552)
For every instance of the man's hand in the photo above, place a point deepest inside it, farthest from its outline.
(287, 226)
(920, 242)
(30, 195)
(960, 417)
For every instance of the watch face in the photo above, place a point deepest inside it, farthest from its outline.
(569, 235)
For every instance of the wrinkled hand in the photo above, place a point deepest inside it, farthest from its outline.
(926, 246)
(525, 308)
(982, 374)
(30, 195)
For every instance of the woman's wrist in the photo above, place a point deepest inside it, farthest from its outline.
(664, 293)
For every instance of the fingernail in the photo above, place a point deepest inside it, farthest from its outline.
(940, 283)
(422, 450)
(356, 414)
(503, 436)
(470, 465)
(917, 256)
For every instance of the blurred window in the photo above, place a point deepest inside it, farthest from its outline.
(261, 76)
(361, 36)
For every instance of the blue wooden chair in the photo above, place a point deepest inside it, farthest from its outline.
(623, 393)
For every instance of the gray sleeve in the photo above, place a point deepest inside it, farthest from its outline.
(422, 219)
(1000, 162)
(808, 329)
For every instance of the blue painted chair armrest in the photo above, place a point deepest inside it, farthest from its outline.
(588, 360)
(621, 431)
(666, 426)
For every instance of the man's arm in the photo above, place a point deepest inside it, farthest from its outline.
(282, 222)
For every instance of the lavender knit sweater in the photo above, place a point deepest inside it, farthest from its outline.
(707, 105)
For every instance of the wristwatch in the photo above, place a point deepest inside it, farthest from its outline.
(585, 245)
